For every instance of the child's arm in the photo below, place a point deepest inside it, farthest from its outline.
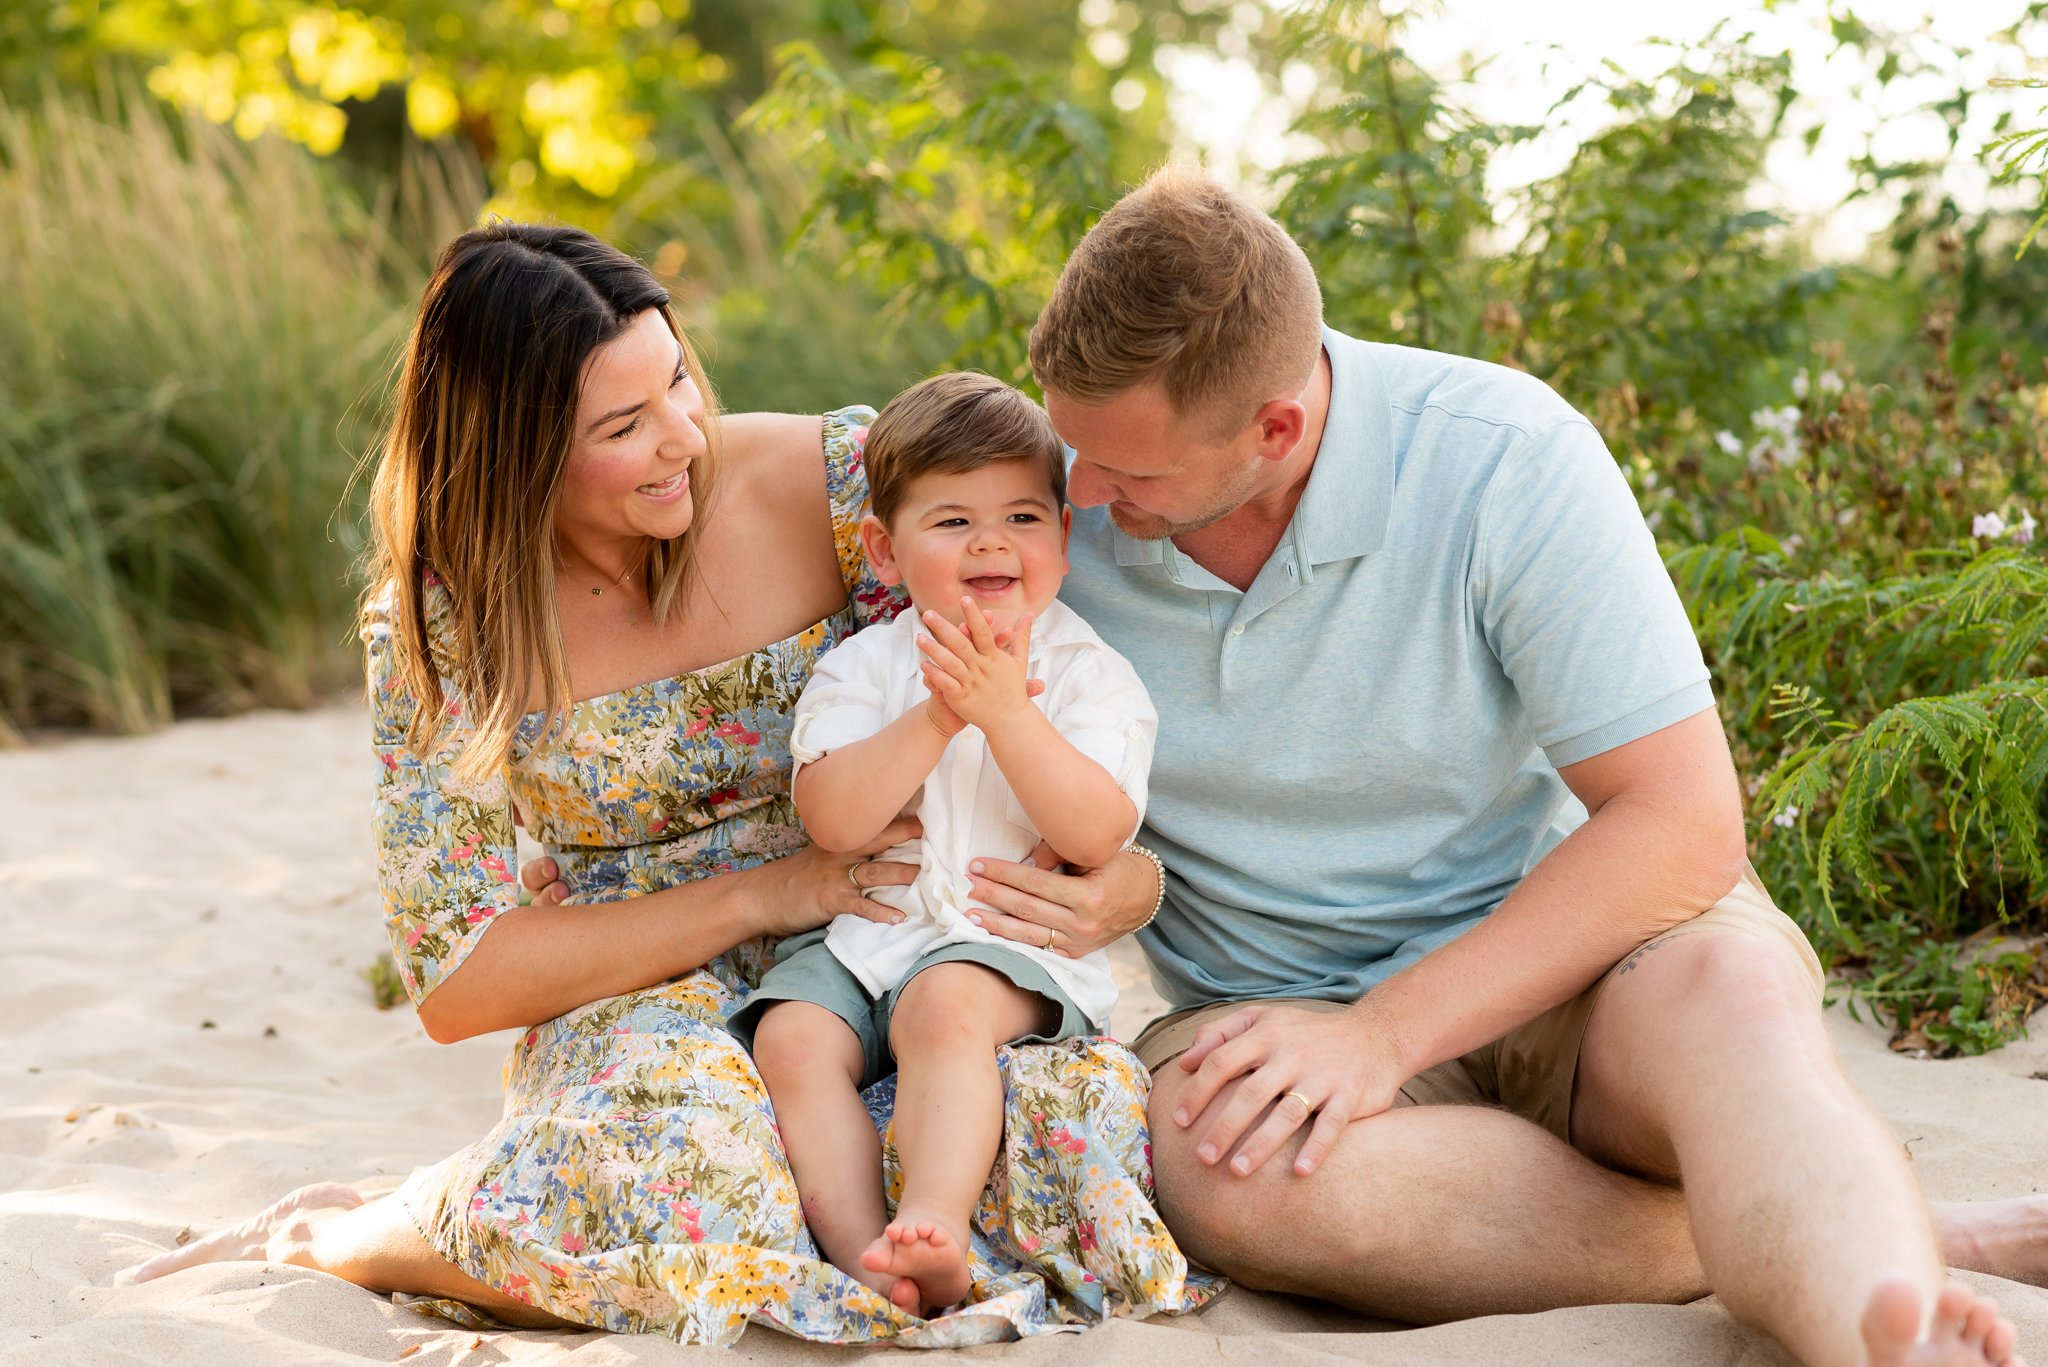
(849, 795)
(1072, 800)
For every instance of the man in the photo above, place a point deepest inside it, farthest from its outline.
(1441, 787)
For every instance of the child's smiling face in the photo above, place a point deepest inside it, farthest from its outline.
(994, 535)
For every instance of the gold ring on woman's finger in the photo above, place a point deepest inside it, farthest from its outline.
(853, 877)
(1050, 936)
(1306, 1104)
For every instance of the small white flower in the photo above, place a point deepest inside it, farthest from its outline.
(1794, 542)
(1728, 442)
(1829, 382)
(1799, 385)
(2022, 532)
(1787, 818)
(1990, 526)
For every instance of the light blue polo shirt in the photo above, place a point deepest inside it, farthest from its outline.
(1358, 756)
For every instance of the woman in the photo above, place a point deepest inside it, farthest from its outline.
(561, 621)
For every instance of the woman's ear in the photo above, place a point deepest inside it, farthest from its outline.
(880, 550)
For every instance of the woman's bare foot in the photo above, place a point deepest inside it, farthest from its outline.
(2004, 1238)
(928, 1260)
(249, 1241)
(1966, 1332)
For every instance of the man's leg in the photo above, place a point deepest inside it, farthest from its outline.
(1426, 1214)
(1705, 1060)
(1515, 1220)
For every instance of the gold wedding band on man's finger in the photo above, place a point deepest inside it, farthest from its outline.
(853, 877)
(1306, 1105)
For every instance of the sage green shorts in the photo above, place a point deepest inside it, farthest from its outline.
(806, 971)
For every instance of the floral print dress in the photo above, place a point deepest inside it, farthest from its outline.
(636, 1181)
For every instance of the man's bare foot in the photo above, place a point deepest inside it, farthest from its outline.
(250, 1240)
(2004, 1238)
(928, 1260)
(1966, 1332)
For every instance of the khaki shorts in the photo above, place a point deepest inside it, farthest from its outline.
(1530, 1070)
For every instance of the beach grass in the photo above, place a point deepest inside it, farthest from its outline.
(196, 349)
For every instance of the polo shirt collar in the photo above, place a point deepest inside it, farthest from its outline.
(1344, 511)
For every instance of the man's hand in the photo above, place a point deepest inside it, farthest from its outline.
(1086, 909)
(978, 678)
(1332, 1067)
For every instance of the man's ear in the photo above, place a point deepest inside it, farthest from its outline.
(880, 550)
(1281, 423)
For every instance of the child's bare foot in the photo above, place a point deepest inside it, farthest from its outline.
(884, 1284)
(1967, 1330)
(250, 1240)
(928, 1260)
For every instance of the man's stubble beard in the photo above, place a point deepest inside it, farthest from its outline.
(1152, 527)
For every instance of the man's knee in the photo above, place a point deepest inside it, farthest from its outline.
(1735, 981)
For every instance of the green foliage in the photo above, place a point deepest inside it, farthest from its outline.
(1882, 564)
(956, 189)
(194, 347)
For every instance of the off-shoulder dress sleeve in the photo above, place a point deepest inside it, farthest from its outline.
(846, 485)
(445, 852)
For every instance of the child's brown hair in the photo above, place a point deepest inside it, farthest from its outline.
(951, 424)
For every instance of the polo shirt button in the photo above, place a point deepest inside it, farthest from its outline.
(1237, 630)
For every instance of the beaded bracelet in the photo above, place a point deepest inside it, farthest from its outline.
(1159, 867)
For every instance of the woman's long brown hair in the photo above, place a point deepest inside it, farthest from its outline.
(470, 473)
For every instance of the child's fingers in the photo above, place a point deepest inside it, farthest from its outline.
(979, 629)
(948, 635)
(1020, 639)
(936, 654)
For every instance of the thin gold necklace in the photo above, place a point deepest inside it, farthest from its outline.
(618, 583)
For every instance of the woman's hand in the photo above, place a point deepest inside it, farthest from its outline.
(792, 894)
(807, 889)
(1084, 911)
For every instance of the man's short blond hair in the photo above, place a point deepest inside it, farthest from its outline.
(1188, 284)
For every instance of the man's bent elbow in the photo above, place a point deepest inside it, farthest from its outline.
(1718, 858)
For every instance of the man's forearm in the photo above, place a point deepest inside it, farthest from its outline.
(1630, 873)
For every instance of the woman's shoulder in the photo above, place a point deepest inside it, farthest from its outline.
(797, 460)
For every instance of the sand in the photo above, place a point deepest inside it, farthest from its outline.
(185, 1034)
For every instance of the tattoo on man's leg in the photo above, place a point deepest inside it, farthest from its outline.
(1632, 960)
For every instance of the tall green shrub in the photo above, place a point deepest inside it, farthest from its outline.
(197, 334)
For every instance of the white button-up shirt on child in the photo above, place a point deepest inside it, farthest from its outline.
(1092, 697)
